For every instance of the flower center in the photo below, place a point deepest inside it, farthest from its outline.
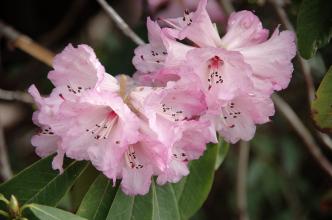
(103, 129)
(214, 71)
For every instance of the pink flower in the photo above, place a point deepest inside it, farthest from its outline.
(223, 73)
(77, 70)
(47, 141)
(98, 121)
(139, 163)
(83, 104)
(161, 51)
(191, 146)
(173, 113)
(169, 108)
(236, 119)
(177, 101)
(270, 59)
(235, 106)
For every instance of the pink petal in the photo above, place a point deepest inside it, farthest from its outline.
(177, 170)
(45, 144)
(79, 69)
(136, 181)
(150, 57)
(161, 51)
(271, 60)
(57, 163)
(222, 73)
(195, 26)
(244, 29)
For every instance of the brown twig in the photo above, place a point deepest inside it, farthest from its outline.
(241, 182)
(5, 169)
(26, 44)
(303, 132)
(122, 25)
(16, 96)
(304, 66)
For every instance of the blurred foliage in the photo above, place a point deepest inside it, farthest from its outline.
(322, 105)
(314, 26)
(284, 182)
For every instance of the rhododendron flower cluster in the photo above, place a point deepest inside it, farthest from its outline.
(180, 98)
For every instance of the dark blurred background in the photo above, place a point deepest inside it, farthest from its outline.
(283, 181)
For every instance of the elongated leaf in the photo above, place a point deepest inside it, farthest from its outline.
(98, 200)
(165, 204)
(39, 183)
(131, 207)
(159, 204)
(322, 105)
(223, 148)
(43, 212)
(314, 26)
(197, 185)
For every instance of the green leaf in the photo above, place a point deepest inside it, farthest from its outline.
(322, 105)
(165, 204)
(197, 185)
(223, 148)
(39, 183)
(159, 204)
(314, 26)
(43, 212)
(172, 201)
(97, 201)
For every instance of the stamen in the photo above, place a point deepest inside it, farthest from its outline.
(173, 114)
(131, 159)
(103, 129)
(46, 131)
(229, 115)
(75, 89)
(180, 157)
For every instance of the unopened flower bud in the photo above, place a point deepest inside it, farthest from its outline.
(13, 206)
